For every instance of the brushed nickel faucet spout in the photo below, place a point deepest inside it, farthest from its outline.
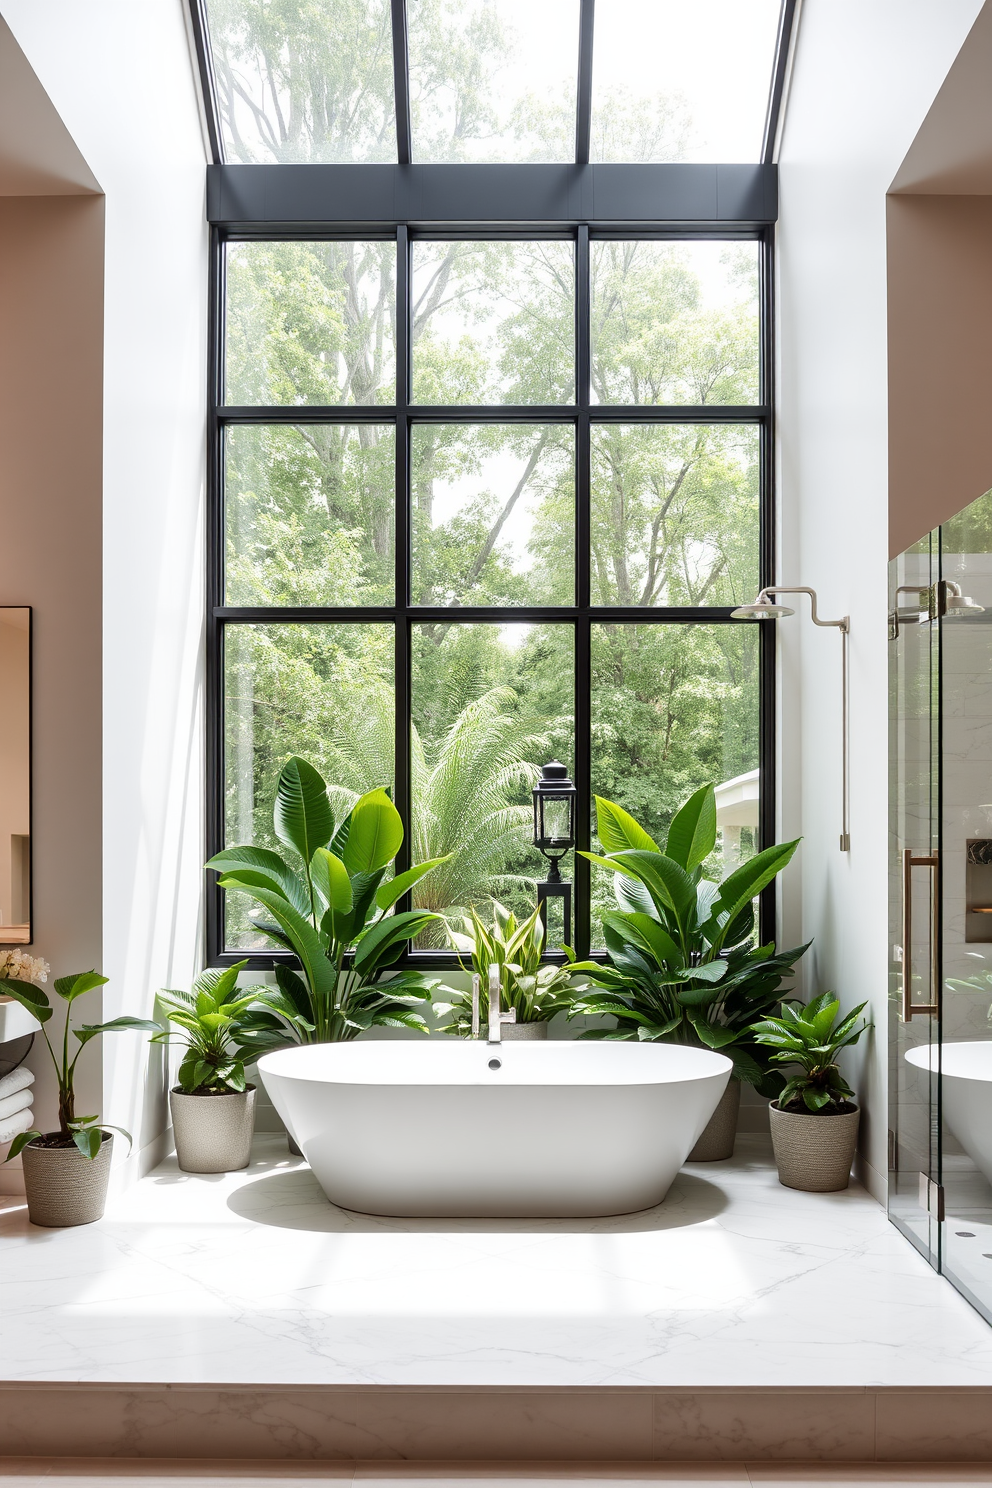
(496, 1017)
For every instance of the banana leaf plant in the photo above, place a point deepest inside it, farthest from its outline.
(330, 903)
(683, 967)
(83, 1132)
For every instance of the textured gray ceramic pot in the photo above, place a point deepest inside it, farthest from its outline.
(814, 1153)
(213, 1132)
(720, 1132)
(511, 1032)
(63, 1187)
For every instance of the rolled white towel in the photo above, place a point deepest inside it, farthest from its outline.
(21, 1100)
(18, 1079)
(12, 1126)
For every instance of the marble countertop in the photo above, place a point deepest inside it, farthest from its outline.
(253, 1277)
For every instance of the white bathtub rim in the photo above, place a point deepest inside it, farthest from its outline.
(541, 1063)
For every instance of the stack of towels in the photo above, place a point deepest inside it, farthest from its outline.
(16, 1101)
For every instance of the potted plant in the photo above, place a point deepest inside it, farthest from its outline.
(682, 964)
(66, 1172)
(213, 1108)
(815, 1119)
(330, 904)
(534, 991)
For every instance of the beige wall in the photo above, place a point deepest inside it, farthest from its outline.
(940, 361)
(51, 381)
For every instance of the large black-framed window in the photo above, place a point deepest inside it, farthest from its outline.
(585, 412)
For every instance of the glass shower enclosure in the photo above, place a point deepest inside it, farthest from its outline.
(940, 898)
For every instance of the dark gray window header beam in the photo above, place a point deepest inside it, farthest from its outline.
(342, 195)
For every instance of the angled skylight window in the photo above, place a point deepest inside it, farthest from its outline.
(674, 80)
(493, 80)
(306, 82)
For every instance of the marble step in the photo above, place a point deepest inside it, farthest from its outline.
(430, 1423)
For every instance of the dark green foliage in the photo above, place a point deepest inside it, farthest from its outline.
(330, 905)
(211, 1018)
(682, 964)
(811, 1038)
(84, 1131)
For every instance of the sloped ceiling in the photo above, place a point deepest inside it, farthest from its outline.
(37, 153)
(952, 154)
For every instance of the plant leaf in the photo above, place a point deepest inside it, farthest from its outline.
(302, 814)
(692, 834)
(89, 1141)
(331, 877)
(384, 942)
(30, 997)
(276, 874)
(389, 892)
(20, 1142)
(73, 986)
(617, 829)
(116, 1025)
(375, 833)
(303, 939)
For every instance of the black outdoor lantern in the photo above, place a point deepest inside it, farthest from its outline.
(554, 836)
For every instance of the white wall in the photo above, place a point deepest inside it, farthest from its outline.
(119, 73)
(865, 74)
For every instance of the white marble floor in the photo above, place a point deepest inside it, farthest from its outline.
(254, 1278)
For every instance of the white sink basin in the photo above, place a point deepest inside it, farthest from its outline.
(15, 1020)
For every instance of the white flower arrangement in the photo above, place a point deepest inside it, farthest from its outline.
(18, 966)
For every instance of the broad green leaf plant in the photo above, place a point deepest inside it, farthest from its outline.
(811, 1037)
(682, 964)
(84, 1132)
(330, 903)
(536, 991)
(209, 1021)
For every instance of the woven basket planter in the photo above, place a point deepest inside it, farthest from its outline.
(213, 1132)
(509, 1032)
(814, 1153)
(720, 1132)
(63, 1187)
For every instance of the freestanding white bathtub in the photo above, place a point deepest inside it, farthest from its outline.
(966, 1093)
(470, 1128)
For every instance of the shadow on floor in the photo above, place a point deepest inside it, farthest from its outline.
(293, 1200)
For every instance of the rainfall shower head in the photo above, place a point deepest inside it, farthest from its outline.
(762, 609)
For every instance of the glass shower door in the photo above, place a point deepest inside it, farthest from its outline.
(914, 899)
(965, 1056)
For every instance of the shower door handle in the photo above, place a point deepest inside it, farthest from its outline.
(911, 1009)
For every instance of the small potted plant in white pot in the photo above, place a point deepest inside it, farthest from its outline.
(66, 1172)
(814, 1121)
(213, 1107)
(533, 991)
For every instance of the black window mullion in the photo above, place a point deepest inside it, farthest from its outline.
(583, 102)
(302, 413)
(401, 82)
(583, 665)
(215, 545)
(767, 648)
(496, 413)
(401, 599)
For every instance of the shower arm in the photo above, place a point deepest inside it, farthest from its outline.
(844, 626)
